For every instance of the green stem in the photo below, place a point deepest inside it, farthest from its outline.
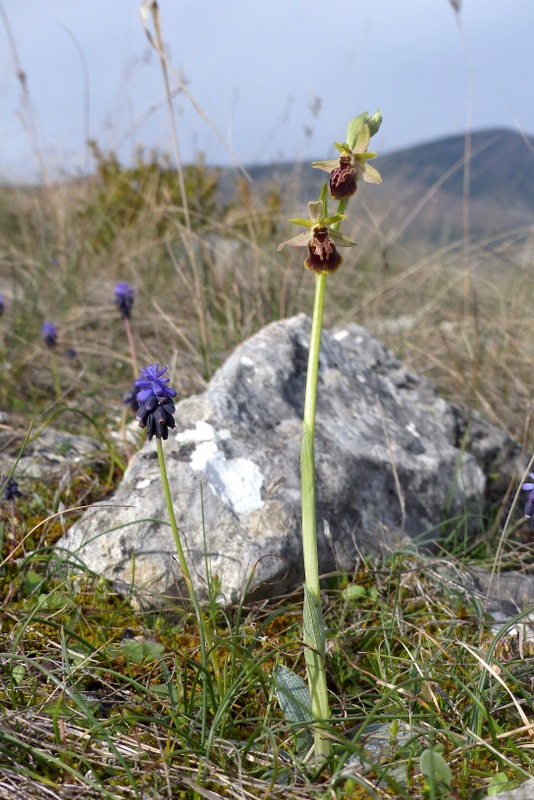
(313, 624)
(205, 638)
(133, 356)
(55, 375)
(309, 527)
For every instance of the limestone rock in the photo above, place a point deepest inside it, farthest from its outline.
(523, 792)
(49, 455)
(233, 464)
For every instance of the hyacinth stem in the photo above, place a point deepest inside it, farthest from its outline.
(55, 374)
(205, 638)
(13, 518)
(314, 637)
(131, 343)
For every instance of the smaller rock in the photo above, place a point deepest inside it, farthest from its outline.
(523, 792)
(49, 455)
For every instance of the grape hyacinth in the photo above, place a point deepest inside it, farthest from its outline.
(11, 488)
(49, 333)
(124, 299)
(155, 413)
(10, 492)
(156, 408)
(529, 507)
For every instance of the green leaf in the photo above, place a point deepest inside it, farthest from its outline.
(435, 769)
(353, 591)
(139, 651)
(294, 699)
(293, 695)
(31, 582)
(499, 782)
(18, 673)
(313, 634)
(373, 593)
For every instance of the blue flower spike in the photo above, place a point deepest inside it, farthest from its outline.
(529, 507)
(49, 334)
(11, 488)
(124, 299)
(156, 408)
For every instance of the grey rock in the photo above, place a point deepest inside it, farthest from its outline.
(502, 595)
(523, 792)
(391, 459)
(48, 454)
(381, 746)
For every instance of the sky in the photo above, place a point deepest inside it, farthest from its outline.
(278, 80)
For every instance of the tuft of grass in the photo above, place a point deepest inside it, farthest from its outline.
(117, 702)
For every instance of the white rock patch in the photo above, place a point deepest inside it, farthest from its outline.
(237, 481)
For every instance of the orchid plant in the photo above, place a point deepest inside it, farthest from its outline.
(322, 240)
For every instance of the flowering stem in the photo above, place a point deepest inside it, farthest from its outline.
(55, 374)
(205, 638)
(13, 518)
(132, 346)
(314, 636)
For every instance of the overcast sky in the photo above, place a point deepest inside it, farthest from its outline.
(279, 79)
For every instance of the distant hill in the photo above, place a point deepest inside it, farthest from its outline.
(422, 195)
(500, 187)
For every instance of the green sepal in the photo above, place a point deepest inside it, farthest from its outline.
(300, 240)
(306, 223)
(323, 197)
(354, 128)
(326, 166)
(333, 218)
(365, 156)
(375, 122)
(340, 239)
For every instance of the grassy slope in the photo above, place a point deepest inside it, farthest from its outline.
(403, 645)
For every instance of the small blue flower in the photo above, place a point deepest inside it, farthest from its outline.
(124, 299)
(49, 333)
(529, 507)
(156, 408)
(151, 382)
(11, 488)
(2, 304)
(156, 417)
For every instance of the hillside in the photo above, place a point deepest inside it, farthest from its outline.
(422, 195)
